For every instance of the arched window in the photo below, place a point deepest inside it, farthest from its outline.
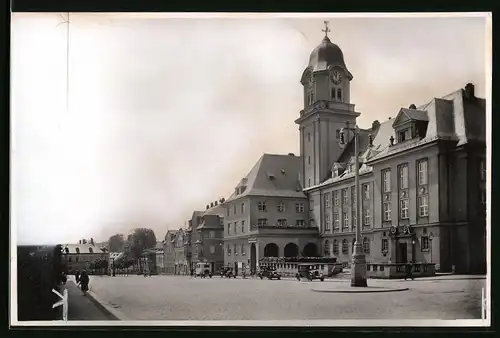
(333, 94)
(327, 248)
(366, 245)
(77, 250)
(335, 247)
(339, 94)
(345, 247)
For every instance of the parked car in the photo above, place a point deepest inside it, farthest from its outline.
(269, 274)
(310, 272)
(203, 270)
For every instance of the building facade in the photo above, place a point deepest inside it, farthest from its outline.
(169, 252)
(80, 257)
(267, 215)
(419, 172)
(182, 252)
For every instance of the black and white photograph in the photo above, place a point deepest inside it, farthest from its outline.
(250, 169)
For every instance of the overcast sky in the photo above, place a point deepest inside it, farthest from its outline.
(166, 115)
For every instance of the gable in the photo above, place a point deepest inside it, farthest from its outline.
(401, 118)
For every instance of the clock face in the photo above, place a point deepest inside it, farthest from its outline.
(336, 77)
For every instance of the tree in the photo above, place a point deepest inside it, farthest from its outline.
(140, 239)
(116, 243)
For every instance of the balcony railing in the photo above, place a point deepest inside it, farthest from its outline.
(254, 227)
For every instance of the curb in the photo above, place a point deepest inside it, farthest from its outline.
(363, 290)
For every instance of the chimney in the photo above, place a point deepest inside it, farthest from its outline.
(469, 91)
(412, 106)
(375, 125)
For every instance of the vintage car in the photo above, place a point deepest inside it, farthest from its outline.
(227, 272)
(203, 270)
(310, 271)
(269, 274)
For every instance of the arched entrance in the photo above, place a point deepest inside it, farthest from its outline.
(253, 257)
(271, 250)
(311, 250)
(291, 250)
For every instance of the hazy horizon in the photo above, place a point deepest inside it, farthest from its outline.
(167, 115)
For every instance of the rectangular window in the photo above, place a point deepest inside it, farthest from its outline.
(299, 207)
(234, 209)
(422, 172)
(336, 221)
(327, 200)
(282, 223)
(229, 250)
(403, 176)
(403, 209)
(308, 137)
(336, 198)
(423, 206)
(243, 252)
(366, 191)
(235, 249)
(386, 180)
(300, 223)
(385, 245)
(345, 198)
(235, 228)
(482, 169)
(262, 206)
(346, 220)
(387, 211)
(366, 217)
(328, 222)
(404, 135)
(262, 222)
(227, 213)
(242, 226)
(309, 182)
(242, 208)
(309, 159)
(281, 207)
(228, 228)
(424, 242)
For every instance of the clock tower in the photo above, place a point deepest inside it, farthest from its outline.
(327, 107)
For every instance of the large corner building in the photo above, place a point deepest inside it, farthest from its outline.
(422, 176)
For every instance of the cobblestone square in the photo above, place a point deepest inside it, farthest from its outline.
(186, 298)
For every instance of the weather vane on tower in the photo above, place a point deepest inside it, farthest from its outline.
(326, 30)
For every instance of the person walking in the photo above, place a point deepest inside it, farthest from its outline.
(77, 277)
(409, 270)
(84, 282)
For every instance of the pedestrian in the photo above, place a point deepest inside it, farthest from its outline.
(409, 274)
(84, 281)
(77, 277)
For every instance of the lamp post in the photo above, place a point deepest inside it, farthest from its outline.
(431, 236)
(358, 266)
(413, 251)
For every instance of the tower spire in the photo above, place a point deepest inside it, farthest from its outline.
(326, 30)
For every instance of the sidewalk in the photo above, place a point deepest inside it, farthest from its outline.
(83, 307)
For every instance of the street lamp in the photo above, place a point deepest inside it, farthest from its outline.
(358, 266)
(413, 250)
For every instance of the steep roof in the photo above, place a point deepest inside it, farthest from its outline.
(273, 175)
(451, 117)
(82, 248)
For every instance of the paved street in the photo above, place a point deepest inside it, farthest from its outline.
(82, 307)
(184, 298)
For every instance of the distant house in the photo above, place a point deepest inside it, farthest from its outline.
(169, 252)
(153, 259)
(80, 256)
